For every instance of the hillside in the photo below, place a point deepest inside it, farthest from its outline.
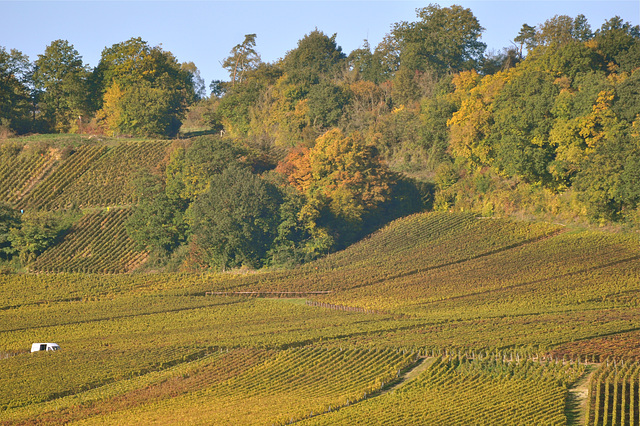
(512, 312)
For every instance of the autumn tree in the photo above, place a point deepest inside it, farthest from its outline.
(343, 179)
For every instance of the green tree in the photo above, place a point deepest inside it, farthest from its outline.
(243, 57)
(157, 222)
(15, 93)
(326, 104)
(37, 232)
(235, 221)
(9, 218)
(519, 135)
(191, 167)
(146, 110)
(619, 42)
(317, 56)
(562, 29)
(62, 80)
(144, 90)
(526, 38)
(444, 40)
(609, 178)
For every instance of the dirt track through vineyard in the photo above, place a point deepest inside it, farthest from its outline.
(578, 397)
(411, 374)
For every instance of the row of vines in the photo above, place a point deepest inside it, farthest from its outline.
(98, 243)
(455, 390)
(615, 395)
(89, 175)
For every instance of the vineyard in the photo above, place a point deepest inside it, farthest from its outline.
(98, 243)
(506, 318)
(87, 174)
(20, 170)
(615, 395)
(460, 391)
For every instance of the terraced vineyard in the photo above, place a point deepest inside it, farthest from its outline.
(20, 170)
(98, 243)
(107, 181)
(508, 313)
(51, 188)
(91, 174)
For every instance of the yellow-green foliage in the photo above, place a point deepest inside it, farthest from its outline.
(70, 169)
(108, 181)
(614, 395)
(20, 167)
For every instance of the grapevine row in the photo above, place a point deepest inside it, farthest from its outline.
(98, 243)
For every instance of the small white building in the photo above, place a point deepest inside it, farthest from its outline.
(36, 347)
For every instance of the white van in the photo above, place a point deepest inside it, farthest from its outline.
(36, 347)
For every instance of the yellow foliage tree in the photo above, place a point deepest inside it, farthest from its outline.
(470, 126)
(111, 110)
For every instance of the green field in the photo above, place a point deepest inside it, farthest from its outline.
(504, 316)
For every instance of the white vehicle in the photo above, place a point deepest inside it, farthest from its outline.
(36, 347)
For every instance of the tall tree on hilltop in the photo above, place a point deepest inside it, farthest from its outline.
(146, 91)
(619, 43)
(562, 29)
(15, 96)
(317, 56)
(444, 40)
(243, 58)
(62, 81)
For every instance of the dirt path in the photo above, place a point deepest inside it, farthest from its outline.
(411, 374)
(576, 407)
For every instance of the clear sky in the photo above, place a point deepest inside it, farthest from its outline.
(205, 31)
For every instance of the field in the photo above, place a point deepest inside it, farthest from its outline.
(503, 317)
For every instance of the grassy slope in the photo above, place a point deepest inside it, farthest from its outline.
(136, 344)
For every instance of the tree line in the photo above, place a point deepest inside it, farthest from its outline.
(136, 89)
(319, 147)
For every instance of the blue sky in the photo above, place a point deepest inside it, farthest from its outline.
(205, 31)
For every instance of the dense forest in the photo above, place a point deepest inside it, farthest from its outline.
(307, 154)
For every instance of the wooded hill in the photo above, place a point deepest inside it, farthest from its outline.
(320, 148)
(548, 126)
